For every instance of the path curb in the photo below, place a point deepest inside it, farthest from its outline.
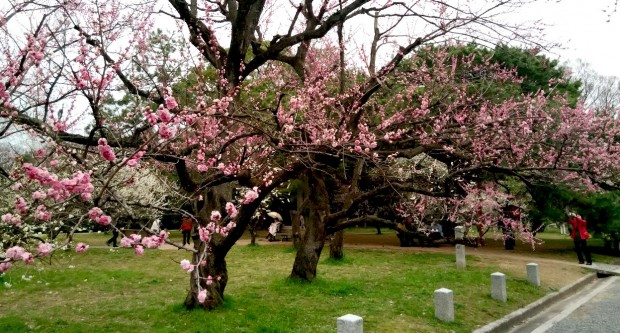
(504, 324)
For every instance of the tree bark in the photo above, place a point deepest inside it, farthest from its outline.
(214, 267)
(335, 246)
(312, 243)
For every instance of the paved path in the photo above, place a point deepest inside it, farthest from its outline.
(594, 308)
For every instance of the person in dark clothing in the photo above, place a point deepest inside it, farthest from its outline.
(580, 235)
(114, 237)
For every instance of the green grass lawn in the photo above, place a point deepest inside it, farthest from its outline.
(116, 291)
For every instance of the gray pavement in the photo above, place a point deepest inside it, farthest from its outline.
(599, 313)
(590, 305)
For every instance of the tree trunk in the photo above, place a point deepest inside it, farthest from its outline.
(311, 245)
(253, 236)
(335, 246)
(215, 267)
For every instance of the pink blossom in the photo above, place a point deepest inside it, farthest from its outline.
(40, 153)
(42, 214)
(139, 250)
(151, 118)
(86, 196)
(204, 234)
(17, 220)
(209, 280)
(6, 218)
(104, 220)
(250, 196)
(152, 242)
(187, 266)
(21, 205)
(215, 215)
(105, 150)
(165, 132)
(39, 195)
(44, 249)
(202, 296)
(5, 266)
(164, 115)
(94, 213)
(81, 247)
(15, 252)
(231, 225)
(231, 209)
(126, 242)
(27, 258)
(171, 103)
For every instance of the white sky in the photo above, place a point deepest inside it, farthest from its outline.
(582, 28)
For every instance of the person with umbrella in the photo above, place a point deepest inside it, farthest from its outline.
(275, 225)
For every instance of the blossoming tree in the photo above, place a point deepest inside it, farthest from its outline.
(261, 110)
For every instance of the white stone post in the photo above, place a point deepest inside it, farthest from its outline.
(350, 324)
(533, 274)
(444, 305)
(498, 286)
(459, 232)
(460, 256)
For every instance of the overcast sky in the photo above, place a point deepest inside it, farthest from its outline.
(583, 29)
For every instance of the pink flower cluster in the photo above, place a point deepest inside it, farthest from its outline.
(250, 196)
(231, 210)
(187, 266)
(59, 189)
(42, 214)
(96, 214)
(17, 253)
(9, 218)
(44, 249)
(165, 132)
(21, 205)
(207, 232)
(139, 242)
(202, 296)
(105, 150)
(81, 247)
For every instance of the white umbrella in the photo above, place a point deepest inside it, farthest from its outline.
(275, 215)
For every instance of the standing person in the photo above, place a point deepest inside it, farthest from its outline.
(186, 229)
(579, 234)
(155, 227)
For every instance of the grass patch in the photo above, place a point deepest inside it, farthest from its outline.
(116, 291)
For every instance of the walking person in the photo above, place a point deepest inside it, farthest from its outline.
(114, 238)
(580, 235)
(186, 229)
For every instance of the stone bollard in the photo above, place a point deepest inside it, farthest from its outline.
(460, 256)
(444, 305)
(350, 324)
(533, 274)
(498, 286)
(459, 232)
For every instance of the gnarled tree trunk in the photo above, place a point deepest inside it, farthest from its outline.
(213, 266)
(311, 245)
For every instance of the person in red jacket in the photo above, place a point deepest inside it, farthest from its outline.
(186, 229)
(580, 234)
